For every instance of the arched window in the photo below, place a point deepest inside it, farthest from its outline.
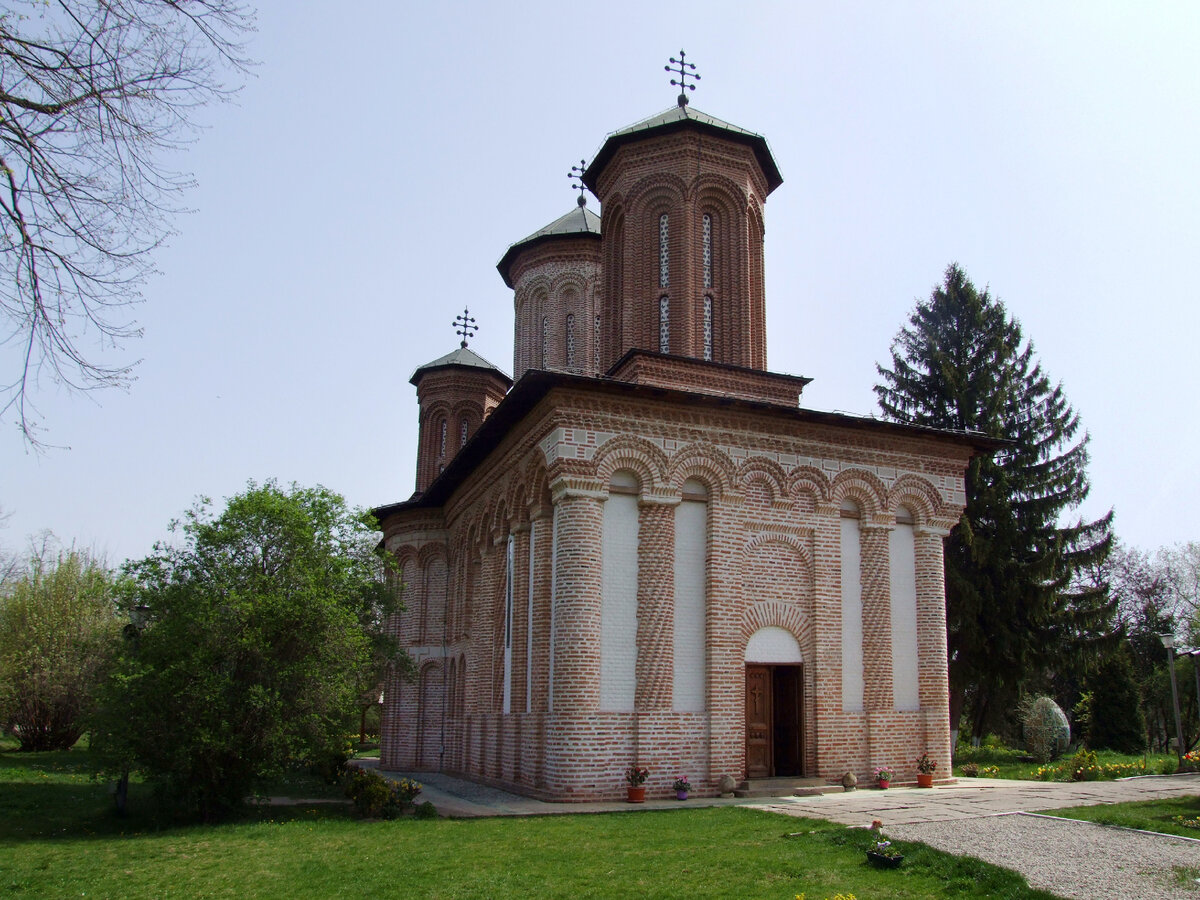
(664, 324)
(570, 340)
(545, 340)
(706, 243)
(596, 345)
(707, 266)
(463, 442)
(442, 444)
(664, 252)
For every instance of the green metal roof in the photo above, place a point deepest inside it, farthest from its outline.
(460, 357)
(675, 119)
(579, 222)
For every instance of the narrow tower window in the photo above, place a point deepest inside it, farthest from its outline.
(664, 324)
(442, 447)
(571, 341)
(707, 250)
(596, 346)
(545, 340)
(664, 253)
(464, 434)
(708, 327)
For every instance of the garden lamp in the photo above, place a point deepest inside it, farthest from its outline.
(1168, 641)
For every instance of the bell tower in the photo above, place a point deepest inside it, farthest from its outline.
(682, 196)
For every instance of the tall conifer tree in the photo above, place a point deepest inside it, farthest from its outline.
(1013, 608)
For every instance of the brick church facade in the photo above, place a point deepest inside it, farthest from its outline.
(646, 550)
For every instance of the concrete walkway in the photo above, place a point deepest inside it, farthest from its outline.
(969, 798)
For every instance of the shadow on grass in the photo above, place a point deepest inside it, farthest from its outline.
(57, 795)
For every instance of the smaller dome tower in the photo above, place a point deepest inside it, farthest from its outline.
(455, 394)
(555, 276)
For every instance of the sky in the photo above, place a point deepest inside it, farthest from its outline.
(358, 192)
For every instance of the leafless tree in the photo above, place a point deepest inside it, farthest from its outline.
(93, 96)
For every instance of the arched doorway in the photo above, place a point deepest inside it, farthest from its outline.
(774, 704)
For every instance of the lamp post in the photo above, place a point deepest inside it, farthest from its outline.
(139, 617)
(1168, 641)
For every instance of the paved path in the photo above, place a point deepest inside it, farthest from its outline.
(973, 798)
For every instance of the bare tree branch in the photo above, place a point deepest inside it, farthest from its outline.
(94, 94)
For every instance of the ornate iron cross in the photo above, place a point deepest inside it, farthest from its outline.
(576, 176)
(686, 70)
(465, 325)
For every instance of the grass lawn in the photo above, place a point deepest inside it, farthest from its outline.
(1150, 815)
(58, 838)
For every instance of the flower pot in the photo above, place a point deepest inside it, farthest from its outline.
(925, 779)
(637, 794)
(681, 795)
(883, 784)
(883, 861)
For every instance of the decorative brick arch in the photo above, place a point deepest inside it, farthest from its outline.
(705, 463)
(809, 479)
(787, 616)
(918, 495)
(431, 552)
(761, 545)
(790, 541)
(536, 482)
(711, 188)
(863, 487)
(638, 455)
(652, 190)
(763, 470)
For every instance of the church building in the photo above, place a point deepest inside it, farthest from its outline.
(646, 551)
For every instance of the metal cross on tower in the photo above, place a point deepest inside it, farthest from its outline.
(465, 325)
(576, 176)
(686, 70)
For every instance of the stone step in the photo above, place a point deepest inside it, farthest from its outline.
(784, 787)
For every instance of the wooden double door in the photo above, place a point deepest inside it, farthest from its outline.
(774, 720)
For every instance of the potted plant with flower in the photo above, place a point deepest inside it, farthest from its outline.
(880, 852)
(925, 770)
(884, 776)
(637, 783)
(681, 787)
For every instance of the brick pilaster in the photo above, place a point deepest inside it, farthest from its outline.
(656, 603)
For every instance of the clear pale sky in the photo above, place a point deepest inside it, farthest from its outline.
(360, 190)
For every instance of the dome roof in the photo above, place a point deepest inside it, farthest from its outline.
(579, 222)
(460, 357)
(678, 118)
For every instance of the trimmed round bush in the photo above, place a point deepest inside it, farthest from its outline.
(1047, 732)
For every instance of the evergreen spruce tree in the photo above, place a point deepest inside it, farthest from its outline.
(1013, 607)
(1117, 722)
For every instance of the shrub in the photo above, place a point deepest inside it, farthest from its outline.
(970, 770)
(425, 810)
(58, 633)
(1083, 766)
(1047, 732)
(374, 797)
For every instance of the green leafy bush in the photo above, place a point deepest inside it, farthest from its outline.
(373, 796)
